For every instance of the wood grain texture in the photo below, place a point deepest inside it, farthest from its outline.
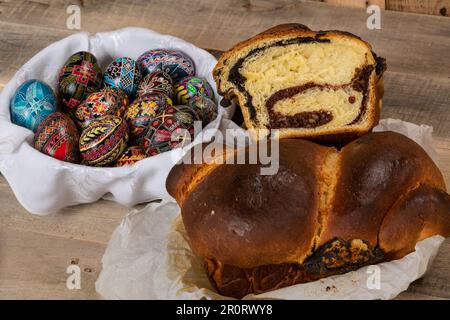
(431, 7)
(435, 7)
(33, 265)
(357, 3)
(35, 251)
(93, 222)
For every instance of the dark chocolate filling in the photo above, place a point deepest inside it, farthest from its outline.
(380, 66)
(307, 119)
(316, 118)
(359, 83)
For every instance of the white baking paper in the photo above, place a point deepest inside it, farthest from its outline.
(45, 185)
(149, 257)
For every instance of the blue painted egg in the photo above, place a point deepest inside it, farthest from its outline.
(175, 63)
(32, 102)
(123, 73)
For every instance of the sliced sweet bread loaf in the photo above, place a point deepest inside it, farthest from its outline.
(325, 85)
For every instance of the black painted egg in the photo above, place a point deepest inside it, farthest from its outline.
(156, 82)
(80, 76)
(205, 107)
(175, 63)
(193, 112)
(167, 131)
(190, 87)
(107, 101)
(123, 73)
(103, 141)
(141, 112)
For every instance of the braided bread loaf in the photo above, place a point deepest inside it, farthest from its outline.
(325, 211)
(325, 85)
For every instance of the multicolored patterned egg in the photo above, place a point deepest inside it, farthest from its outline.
(131, 156)
(106, 101)
(125, 103)
(156, 82)
(32, 102)
(168, 131)
(205, 107)
(141, 112)
(80, 76)
(57, 136)
(123, 73)
(191, 87)
(101, 103)
(103, 141)
(175, 63)
(81, 116)
(161, 99)
(195, 115)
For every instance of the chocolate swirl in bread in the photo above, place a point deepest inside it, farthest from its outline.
(325, 211)
(325, 84)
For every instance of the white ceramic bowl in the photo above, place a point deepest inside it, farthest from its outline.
(43, 184)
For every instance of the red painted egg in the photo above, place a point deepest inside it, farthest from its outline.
(57, 136)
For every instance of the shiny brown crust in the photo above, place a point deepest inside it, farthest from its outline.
(337, 135)
(325, 212)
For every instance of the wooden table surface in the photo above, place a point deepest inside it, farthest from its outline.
(35, 251)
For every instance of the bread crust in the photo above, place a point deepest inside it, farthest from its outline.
(243, 186)
(337, 135)
(375, 171)
(325, 212)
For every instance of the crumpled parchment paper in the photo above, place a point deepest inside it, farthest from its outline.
(148, 257)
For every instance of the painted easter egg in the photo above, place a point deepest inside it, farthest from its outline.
(205, 107)
(81, 116)
(175, 63)
(168, 131)
(98, 104)
(106, 101)
(125, 103)
(80, 76)
(32, 102)
(57, 136)
(131, 156)
(141, 112)
(123, 73)
(191, 87)
(103, 141)
(193, 112)
(156, 82)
